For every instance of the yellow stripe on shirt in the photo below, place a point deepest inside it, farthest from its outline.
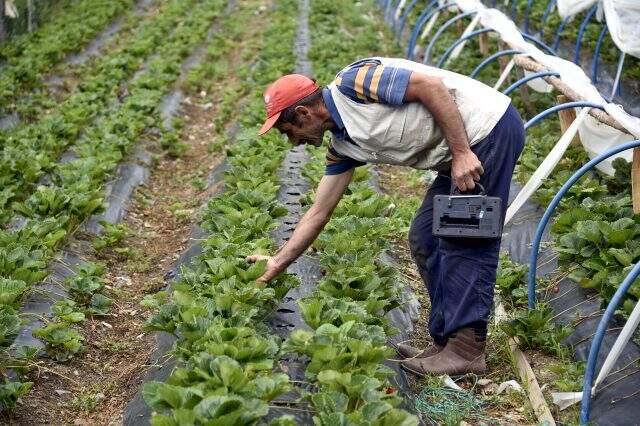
(359, 82)
(375, 81)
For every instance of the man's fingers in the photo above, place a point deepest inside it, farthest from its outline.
(461, 185)
(256, 258)
(470, 184)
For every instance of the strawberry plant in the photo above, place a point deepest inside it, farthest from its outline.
(535, 329)
(62, 342)
(112, 234)
(9, 325)
(11, 291)
(511, 282)
(11, 392)
(66, 311)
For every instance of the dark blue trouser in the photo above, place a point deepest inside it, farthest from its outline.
(460, 273)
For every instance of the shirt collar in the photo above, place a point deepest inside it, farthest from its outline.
(333, 112)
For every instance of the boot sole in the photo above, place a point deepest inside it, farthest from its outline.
(421, 374)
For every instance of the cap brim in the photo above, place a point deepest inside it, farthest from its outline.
(271, 121)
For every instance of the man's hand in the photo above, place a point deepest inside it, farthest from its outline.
(329, 192)
(466, 169)
(273, 269)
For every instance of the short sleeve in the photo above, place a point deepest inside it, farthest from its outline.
(337, 164)
(373, 82)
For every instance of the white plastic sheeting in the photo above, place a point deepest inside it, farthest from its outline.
(571, 75)
(597, 137)
(567, 8)
(622, 20)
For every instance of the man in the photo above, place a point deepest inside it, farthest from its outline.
(394, 111)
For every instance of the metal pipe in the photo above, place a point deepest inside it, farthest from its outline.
(486, 30)
(545, 16)
(404, 18)
(492, 58)
(598, 337)
(420, 23)
(583, 27)
(442, 29)
(528, 78)
(526, 16)
(544, 114)
(596, 55)
(556, 40)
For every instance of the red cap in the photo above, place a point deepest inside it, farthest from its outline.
(284, 92)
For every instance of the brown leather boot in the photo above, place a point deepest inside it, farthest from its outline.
(464, 353)
(408, 351)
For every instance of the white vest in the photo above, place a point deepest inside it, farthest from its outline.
(407, 135)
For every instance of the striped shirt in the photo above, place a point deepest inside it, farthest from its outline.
(364, 82)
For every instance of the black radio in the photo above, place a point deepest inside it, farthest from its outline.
(467, 216)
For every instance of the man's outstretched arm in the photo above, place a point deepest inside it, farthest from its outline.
(434, 95)
(330, 190)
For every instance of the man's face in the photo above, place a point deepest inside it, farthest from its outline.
(308, 130)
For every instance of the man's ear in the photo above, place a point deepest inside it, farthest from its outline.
(303, 111)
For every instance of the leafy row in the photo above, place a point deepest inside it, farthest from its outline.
(30, 56)
(226, 352)
(31, 151)
(75, 191)
(347, 344)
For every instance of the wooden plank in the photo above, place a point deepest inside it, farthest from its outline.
(567, 116)
(635, 180)
(484, 43)
(527, 376)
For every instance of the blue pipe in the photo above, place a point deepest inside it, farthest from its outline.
(596, 55)
(442, 29)
(525, 79)
(596, 343)
(492, 58)
(420, 23)
(404, 18)
(583, 27)
(544, 114)
(547, 12)
(526, 16)
(552, 206)
(486, 30)
(556, 40)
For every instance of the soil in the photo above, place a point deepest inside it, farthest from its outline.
(92, 389)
